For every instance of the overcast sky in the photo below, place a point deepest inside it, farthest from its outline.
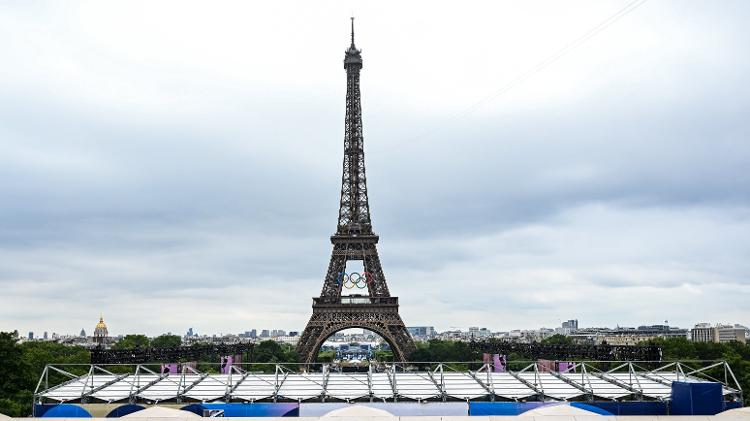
(178, 164)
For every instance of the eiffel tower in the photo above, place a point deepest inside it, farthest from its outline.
(354, 240)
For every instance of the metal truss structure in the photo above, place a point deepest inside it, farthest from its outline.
(354, 240)
(537, 350)
(197, 352)
(582, 381)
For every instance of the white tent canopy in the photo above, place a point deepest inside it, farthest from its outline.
(626, 381)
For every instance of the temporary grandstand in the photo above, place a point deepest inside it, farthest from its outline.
(585, 381)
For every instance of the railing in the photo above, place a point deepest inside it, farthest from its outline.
(197, 352)
(354, 300)
(564, 352)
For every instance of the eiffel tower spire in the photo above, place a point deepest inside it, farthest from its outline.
(354, 210)
(354, 240)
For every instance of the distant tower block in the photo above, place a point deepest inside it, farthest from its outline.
(354, 240)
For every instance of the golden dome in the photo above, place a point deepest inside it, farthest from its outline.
(101, 329)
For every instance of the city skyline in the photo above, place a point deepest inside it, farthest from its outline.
(193, 174)
(273, 331)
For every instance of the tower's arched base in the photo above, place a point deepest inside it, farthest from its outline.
(379, 315)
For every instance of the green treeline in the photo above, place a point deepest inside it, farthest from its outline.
(21, 365)
(142, 341)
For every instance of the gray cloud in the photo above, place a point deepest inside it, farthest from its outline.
(191, 178)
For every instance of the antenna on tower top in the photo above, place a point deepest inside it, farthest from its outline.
(352, 18)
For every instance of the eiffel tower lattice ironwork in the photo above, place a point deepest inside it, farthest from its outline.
(354, 240)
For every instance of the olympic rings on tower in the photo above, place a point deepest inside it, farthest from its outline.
(355, 279)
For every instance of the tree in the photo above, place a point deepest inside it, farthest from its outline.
(132, 341)
(438, 350)
(14, 376)
(326, 356)
(383, 355)
(12, 408)
(21, 365)
(166, 341)
(558, 339)
(274, 352)
(37, 355)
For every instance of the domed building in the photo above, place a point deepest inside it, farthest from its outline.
(100, 332)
